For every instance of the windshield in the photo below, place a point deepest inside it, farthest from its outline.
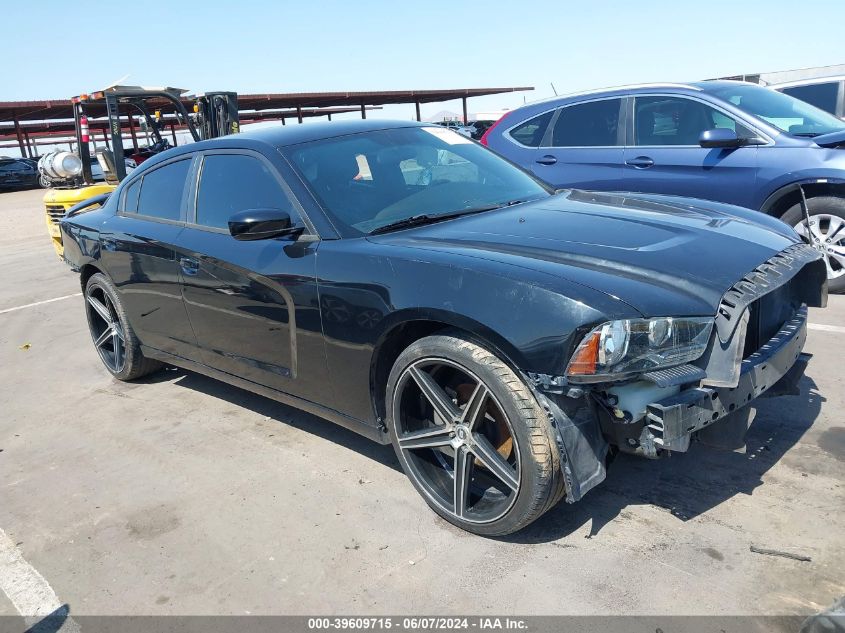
(369, 180)
(786, 113)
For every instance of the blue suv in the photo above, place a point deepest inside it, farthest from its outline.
(727, 141)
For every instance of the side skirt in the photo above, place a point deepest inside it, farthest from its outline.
(347, 422)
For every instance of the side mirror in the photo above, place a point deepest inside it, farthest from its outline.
(261, 224)
(719, 137)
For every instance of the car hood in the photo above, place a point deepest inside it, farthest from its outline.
(660, 255)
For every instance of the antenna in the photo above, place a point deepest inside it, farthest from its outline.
(553, 88)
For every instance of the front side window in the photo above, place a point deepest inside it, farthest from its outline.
(410, 172)
(232, 183)
(786, 113)
(678, 121)
(591, 124)
(532, 131)
(823, 96)
(161, 191)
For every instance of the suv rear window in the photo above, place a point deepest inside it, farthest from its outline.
(822, 96)
(531, 132)
(591, 124)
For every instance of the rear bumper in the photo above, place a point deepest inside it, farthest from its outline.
(673, 421)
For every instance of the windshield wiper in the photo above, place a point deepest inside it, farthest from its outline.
(426, 218)
(414, 220)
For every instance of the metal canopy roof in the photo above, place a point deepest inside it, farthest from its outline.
(27, 121)
(52, 130)
(62, 109)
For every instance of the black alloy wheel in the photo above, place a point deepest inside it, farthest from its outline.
(471, 437)
(106, 329)
(113, 337)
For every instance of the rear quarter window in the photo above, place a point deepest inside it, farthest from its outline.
(532, 131)
(130, 197)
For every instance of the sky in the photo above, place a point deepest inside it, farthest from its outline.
(250, 46)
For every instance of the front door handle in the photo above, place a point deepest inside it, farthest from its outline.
(640, 162)
(189, 265)
(548, 159)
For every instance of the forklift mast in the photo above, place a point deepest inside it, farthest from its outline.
(216, 114)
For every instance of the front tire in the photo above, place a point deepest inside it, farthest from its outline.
(471, 437)
(113, 337)
(827, 230)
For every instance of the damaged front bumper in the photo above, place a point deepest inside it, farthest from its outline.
(755, 351)
(775, 368)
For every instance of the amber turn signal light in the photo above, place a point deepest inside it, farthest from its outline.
(584, 360)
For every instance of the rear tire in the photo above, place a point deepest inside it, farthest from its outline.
(113, 337)
(827, 217)
(485, 419)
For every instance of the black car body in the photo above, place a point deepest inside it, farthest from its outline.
(17, 174)
(322, 313)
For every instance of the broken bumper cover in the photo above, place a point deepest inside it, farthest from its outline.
(672, 421)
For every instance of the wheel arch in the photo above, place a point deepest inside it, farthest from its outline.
(787, 196)
(87, 271)
(411, 326)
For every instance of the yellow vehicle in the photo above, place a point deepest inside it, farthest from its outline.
(72, 182)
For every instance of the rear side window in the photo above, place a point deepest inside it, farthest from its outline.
(161, 191)
(531, 132)
(823, 96)
(592, 124)
(231, 183)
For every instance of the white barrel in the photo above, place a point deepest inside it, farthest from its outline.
(60, 165)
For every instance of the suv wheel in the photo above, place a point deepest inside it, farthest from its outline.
(471, 437)
(826, 231)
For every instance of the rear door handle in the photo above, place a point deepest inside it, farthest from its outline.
(640, 162)
(189, 265)
(548, 159)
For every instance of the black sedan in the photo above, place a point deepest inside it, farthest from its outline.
(18, 174)
(405, 282)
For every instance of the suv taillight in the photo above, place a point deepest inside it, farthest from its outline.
(484, 136)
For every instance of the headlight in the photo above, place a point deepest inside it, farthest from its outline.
(617, 349)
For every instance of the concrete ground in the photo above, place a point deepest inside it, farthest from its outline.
(182, 495)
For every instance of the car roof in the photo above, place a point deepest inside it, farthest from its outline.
(619, 90)
(279, 136)
(687, 88)
(283, 135)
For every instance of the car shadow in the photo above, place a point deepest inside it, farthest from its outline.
(53, 622)
(278, 412)
(686, 484)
